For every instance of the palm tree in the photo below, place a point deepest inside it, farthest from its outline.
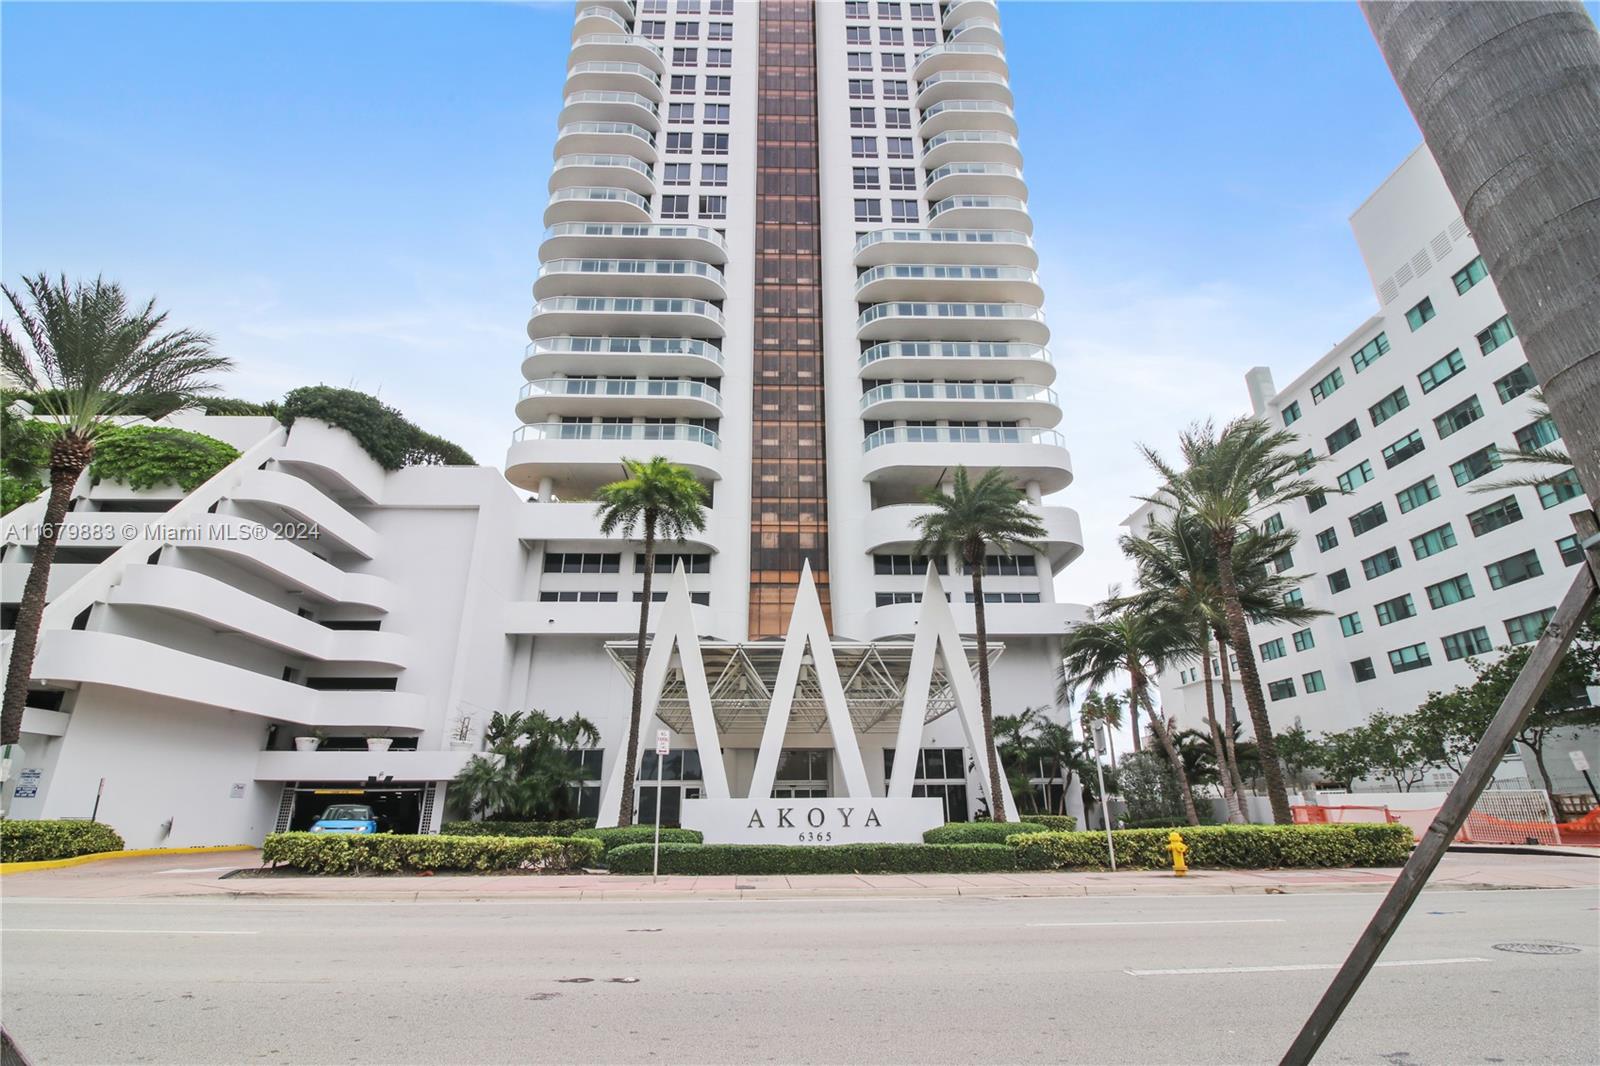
(1122, 636)
(1066, 754)
(86, 358)
(1227, 480)
(666, 501)
(1106, 708)
(970, 519)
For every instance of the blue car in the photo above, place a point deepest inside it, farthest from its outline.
(346, 818)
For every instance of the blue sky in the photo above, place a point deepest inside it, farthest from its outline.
(350, 194)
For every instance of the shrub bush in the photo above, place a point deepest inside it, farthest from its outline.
(980, 832)
(348, 853)
(623, 835)
(564, 827)
(1219, 847)
(227, 405)
(713, 859)
(23, 840)
(384, 433)
(1055, 823)
(1382, 845)
(146, 456)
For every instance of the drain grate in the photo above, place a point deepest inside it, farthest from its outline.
(1524, 948)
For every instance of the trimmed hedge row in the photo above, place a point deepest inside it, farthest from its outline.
(623, 835)
(1056, 823)
(1257, 847)
(980, 832)
(712, 859)
(350, 853)
(564, 827)
(26, 840)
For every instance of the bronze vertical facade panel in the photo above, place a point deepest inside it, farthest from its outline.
(788, 477)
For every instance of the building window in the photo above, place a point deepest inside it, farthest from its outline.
(1303, 640)
(894, 61)
(1402, 449)
(897, 118)
(858, 35)
(703, 599)
(718, 114)
(1467, 642)
(1007, 597)
(719, 85)
(1007, 565)
(1411, 657)
(903, 211)
(1313, 682)
(685, 57)
(1273, 524)
(902, 179)
(674, 207)
(1343, 437)
(582, 562)
(1469, 275)
(1536, 435)
(922, 13)
(1495, 516)
(863, 147)
(686, 31)
(719, 31)
(568, 596)
(1451, 590)
(1363, 670)
(667, 562)
(1370, 352)
(713, 207)
(1356, 476)
(941, 775)
(1291, 414)
(1281, 690)
(1442, 371)
(857, 9)
(1395, 610)
(1433, 541)
(719, 57)
(896, 89)
(1327, 386)
(1459, 417)
(1515, 383)
(1316, 501)
(907, 565)
(861, 89)
(680, 112)
(1273, 649)
(680, 143)
(583, 791)
(1498, 333)
(1282, 561)
(1515, 569)
(869, 210)
(1419, 314)
(677, 173)
(1389, 406)
(713, 173)
(1305, 461)
(1527, 628)
(1476, 465)
(863, 117)
(1368, 520)
(1294, 598)
(1384, 562)
(1559, 489)
(682, 83)
(1570, 549)
(1338, 581)
(1413, 496)
(714, 143)
(858, 60)
(1350, 624)
(864, 177)
(900, 148)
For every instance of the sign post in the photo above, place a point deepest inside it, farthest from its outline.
(1580, 763)
(663, 747)
(1105, 804)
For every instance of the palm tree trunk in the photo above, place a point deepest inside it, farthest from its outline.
(1505, 96)
(1239, 637)
(1136, 688)
(997, 806)
(30, 612)
(1230, 722)
(1230, 795)
(1133, 721)
(625, 816)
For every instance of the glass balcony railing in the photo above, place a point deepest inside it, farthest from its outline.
(992, 107)
(620, 129)
(640, 346)
(625, 387)
(608, 96)
(620, 431)
(636, 229)
(630, 39)
(966, 77)
(942, 272)
(614, 66)
(600, 194)
(596, 11)
(943, 236)
(969, 137)
(628, 305)
(985, 170)
(954, 350)
(918, 309)
(957, 390)
(976, 202)
(962, 435)
(625, 161)
(657, 268)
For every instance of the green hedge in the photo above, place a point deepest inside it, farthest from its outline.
(22, 840)
(980, 832)
(712, 859)
(623, 835)
(383, 433)
(1221, 847)
(348, 853)
(1055, 823)
(564, 827)
(146, 456)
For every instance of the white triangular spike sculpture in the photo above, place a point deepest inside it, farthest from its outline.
(937, 634)
(808, 626)
(674, 627)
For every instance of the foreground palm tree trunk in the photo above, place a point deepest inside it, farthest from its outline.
(1230, 794)
(1164, 738)
(997, 805)
(625, 814)
(1230, 721)
(1239, 637)
(1505, 94)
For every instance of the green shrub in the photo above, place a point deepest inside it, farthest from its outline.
(980, 832)
(1245, 847)
(227, 405)
(16, 491)
(1382, 845)
(22, 840)
(564, 827)
(383, 433)
(146, 456)
(1055, 823)
(349, 853)
(713, 859)
(623, 835)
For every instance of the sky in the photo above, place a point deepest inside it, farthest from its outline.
(351, 195)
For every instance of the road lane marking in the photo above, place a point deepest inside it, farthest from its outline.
(1175, 921)
(151, 932)
(1294, 968)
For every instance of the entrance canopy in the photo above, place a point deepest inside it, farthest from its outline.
(742, 677)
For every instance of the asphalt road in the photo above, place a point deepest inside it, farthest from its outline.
(1221, 979)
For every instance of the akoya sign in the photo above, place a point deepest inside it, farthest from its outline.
(833, 820)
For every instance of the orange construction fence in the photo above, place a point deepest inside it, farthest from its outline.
(1480, 828)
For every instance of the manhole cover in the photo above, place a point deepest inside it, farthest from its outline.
(1537, 949)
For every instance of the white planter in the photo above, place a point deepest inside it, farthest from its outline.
(306, 743)
(461, 745)
(378, 743)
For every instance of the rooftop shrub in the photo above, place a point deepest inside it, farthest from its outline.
(384, 433)
(147, 456)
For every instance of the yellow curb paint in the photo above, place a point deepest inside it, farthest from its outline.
(80, 860)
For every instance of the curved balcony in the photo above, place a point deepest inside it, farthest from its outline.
(893, 529)
(610, 105)
(579, 457)
(1000, 247)
(951, 115)
(1028, 363)
(995, 179)
(639, 316)
(912, 281)
(964, 84)
(616, 48)
(643, 277)
(1001, 620)
(625, 7)
(596, 203)
(575, 521)
(598, 18)
(253, 547)
(297, 500)
(961, 401)
(602, 171)
(621, 355)
(958, 11)
(971, 146)
(980, 29)
(549, 398)
(920, 455)
(605, 138)
(959, 56)
(573, 240)
(982, 211)
(909, 320)
(610, 75)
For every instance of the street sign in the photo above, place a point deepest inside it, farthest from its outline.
(1100, 738)
(1580, 761)
(663, 742)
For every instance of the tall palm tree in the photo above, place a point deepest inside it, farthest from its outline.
(1228, 480)
(1123, 636)
(87, 358)
(972, 518)
(665, 501)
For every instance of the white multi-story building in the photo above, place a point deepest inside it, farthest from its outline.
(787, 247)
(1419, 552)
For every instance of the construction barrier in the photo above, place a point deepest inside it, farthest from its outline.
(1499, 817)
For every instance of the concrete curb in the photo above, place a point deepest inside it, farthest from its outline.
(1525, 849)
(101, 856)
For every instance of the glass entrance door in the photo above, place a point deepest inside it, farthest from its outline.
(803, 773)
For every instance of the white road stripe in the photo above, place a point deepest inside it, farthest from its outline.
(154, 932)
(1290, 969)
(1176, 921)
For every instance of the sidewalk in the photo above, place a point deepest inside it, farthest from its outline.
(204, 877)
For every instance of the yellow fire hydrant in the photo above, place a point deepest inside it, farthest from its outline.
(1178, 849)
